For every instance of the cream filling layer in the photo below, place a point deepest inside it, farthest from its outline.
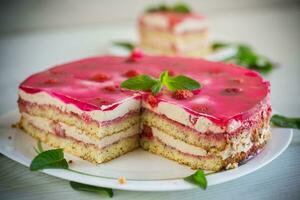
(72, 132)
(43, 98)
(160, 21)
(178, 114)
(241, 143)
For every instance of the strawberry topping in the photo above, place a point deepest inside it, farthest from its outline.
(131, 73)
(182, 94)
(135, 55)
(231, 91)
(152, 100)
(100, 77)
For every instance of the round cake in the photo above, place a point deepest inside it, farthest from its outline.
(79, 106)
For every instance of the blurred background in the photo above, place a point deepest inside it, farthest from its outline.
(35, 35)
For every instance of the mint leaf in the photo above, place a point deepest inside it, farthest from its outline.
(39, 148)
(127, 45)
(145, 82)
(286, 122)
(155, 89)
(141, 82)
(181, 82)
(91, 188)
(163, 76)
(198, 178)
(179, 8)
(246, 57)
(49, 159)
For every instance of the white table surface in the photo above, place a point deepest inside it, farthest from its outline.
(274, 32)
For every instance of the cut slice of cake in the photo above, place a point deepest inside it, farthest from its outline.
(174, 33)
(80, 107)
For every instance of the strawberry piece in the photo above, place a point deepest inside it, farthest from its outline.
(131, 73)
(112, 88)
(51, 81)
(236, 80)
(135, 55)
(182, 94)
(171, 73)
(100, 77)
(152, 100)
(101, 101)
(231, 91)
(147, 132)
(201, 108)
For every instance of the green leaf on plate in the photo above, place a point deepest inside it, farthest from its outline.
(286, 122)
(39, 148)
(91, 188)
(49, 159)
(198, 178)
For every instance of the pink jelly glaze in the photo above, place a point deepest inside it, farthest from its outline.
(72, 83)
(174, 18)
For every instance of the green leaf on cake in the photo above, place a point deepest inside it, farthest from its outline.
(198, 178)
(181, 82)
(286, 122)
(246, 57)
(140, 82)
(91, 188)
(49, 159)
(127, 45)
(178, 7)
(181, 8)
(145, 82)
(156, 88)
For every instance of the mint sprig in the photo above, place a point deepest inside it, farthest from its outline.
(125, 44)
(146, 82)
(198, 178)
(178, 7)
(286, 122)
(246, 57)
(91, 188)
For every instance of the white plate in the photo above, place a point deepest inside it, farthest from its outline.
(142, 170)
(214, 56)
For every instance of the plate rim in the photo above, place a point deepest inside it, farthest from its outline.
(135, 185)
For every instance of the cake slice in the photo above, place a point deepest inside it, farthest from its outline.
(174, 33)
(80, 107)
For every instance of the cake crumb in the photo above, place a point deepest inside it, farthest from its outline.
(232, 165)
(122, 180)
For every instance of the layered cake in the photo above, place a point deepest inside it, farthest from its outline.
(174, 33)
(80, 107)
